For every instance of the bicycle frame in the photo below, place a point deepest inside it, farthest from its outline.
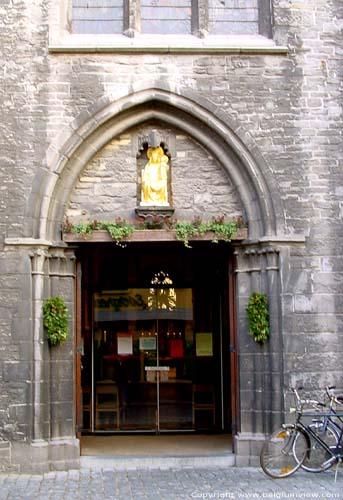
(332, 413)
(336, 453)
(314, 446)
(329, 417)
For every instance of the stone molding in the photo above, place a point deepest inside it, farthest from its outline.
(76, 44)
(141, 236)
(160, 235)
(208, 125)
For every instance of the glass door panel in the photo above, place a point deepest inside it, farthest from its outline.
(142, 321)
(143, 343)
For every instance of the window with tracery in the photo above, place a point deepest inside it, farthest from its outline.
(168, 17)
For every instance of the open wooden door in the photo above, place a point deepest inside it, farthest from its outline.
(233, 348)
(78, 352)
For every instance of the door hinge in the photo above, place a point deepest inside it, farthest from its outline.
(232, 348)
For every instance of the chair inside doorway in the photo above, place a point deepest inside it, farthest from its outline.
(107, 407)
(203, 405)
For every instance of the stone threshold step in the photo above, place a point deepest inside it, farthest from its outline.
(156, 462)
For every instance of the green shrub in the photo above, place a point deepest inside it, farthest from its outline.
(258, 317)
(55, 320)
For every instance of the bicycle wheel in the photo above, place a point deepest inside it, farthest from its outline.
(277, 458)
(317, 458)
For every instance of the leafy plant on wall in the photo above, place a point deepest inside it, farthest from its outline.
(55, 320)
(120, 229)
(258, 317)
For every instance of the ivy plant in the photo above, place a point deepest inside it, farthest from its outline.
(221, 229)
(55, 320)
(184, 230)
(118, 230)
(258, 317)
(83, 228)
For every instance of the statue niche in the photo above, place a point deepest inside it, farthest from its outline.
(155, 179)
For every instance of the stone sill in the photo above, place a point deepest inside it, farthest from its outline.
(140, 236)
(166, 44)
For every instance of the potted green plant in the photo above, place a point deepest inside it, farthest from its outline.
(258, 317)
(55, 320)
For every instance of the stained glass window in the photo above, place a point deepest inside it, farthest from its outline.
(166, 16)
(233, 17)
(175, 17)
(97, 16)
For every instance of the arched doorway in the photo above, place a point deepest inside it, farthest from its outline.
(203, 124)
(162, 388)
(182, 108)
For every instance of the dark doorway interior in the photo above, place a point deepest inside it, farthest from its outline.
(155, 338)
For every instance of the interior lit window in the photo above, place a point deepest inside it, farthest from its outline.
(162, 295)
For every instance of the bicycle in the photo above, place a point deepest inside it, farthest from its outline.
(334, 402)
(327, 429)
(286, 450)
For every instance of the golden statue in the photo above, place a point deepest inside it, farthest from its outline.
(155, 179)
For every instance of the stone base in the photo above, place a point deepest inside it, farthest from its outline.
(154, 211)
(40, 457)
(247, 449)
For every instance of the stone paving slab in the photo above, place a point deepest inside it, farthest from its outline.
(173, 484)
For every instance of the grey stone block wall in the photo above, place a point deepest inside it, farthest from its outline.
(107, 188)
(285, 108)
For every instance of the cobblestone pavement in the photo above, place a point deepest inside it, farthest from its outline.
(174, 484)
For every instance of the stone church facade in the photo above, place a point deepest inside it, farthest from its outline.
(246, 101)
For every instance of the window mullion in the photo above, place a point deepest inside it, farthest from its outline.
(200, 26)
(265, 18)
(132, 17)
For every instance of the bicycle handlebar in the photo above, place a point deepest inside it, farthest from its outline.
(332, 397)
(302, 402)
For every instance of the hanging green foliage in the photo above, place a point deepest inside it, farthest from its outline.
(120, 229)
(55, 320)
(258, 317)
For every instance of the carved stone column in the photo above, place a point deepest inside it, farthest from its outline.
(39, 408)
(260, 366)
(62, 283)
(53, 435)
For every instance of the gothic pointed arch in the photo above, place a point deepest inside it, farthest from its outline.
(179, 107)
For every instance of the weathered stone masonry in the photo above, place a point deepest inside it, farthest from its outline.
(266, 126)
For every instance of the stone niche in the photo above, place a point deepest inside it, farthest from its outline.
(109, 186)
(155, 199)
